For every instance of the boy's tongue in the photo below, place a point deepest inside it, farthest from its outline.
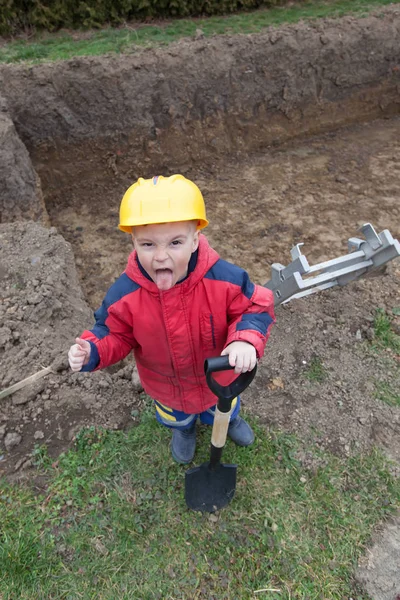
(164, 280)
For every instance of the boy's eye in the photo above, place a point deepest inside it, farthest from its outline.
(176, 242)
(146, 244)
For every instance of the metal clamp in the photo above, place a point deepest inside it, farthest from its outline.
(365, 256)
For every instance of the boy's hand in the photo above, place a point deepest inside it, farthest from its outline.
(242, 356)
(79, 354)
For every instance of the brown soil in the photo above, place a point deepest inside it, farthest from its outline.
(264, 192)
(41, 309)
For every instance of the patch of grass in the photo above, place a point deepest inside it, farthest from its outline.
(384, 333)
(26, 549)
(387, 394)
(113, 522)
(386, 345)
(40, 456)
(64, 45)
(316, 370)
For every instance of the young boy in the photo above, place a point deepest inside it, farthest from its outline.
(176, 304)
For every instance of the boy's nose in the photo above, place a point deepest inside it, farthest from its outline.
(161, 255)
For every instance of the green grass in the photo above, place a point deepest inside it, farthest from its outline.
(316, 370)
(385, 336)
(387, 345)
(385, 393)
(64, 45)
(113, 522)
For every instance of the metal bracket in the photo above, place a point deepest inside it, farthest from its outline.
(365, 256)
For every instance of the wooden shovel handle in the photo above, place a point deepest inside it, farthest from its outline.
(220, 428)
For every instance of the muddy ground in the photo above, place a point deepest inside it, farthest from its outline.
(261, 201)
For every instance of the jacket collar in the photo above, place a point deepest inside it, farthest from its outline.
(201, 261)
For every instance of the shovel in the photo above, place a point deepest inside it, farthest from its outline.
(211, 486)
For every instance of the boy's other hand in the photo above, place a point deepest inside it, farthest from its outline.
(242, 356)
(79, 354)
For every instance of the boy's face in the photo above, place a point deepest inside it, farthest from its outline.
(164, 250)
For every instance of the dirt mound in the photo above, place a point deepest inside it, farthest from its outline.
(41, 310)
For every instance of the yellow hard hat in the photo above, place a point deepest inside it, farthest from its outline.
(161, 200)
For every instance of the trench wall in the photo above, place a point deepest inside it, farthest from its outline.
(21, 196)
(167, 109)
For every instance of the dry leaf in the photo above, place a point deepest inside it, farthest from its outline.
(276, 383)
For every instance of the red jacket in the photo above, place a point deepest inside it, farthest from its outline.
(172, 332)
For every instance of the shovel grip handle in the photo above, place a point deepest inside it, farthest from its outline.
(226, 393)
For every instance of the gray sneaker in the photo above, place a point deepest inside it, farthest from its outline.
(240, 432)
(183, 444)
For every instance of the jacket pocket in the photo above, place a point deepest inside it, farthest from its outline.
(213, 331)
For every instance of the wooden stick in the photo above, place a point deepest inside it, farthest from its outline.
(21, 384)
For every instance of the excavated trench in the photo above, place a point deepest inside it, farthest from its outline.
(293, 136)
(253, 120)
(218, 110)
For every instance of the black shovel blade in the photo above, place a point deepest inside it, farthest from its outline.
(209, 489)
